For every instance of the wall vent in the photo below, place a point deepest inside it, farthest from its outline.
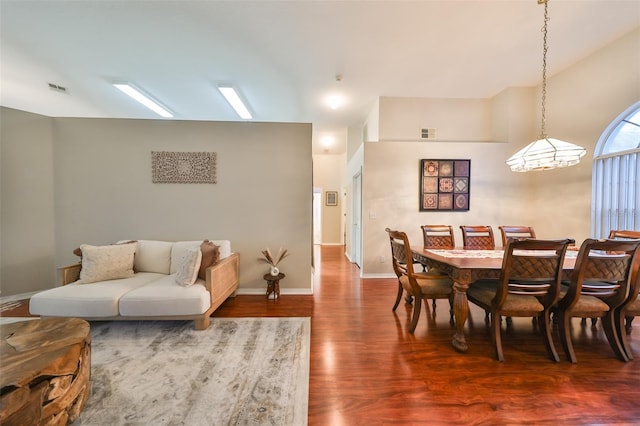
(427, 133)
(57, 88)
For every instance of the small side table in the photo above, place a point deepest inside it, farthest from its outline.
(273, 284)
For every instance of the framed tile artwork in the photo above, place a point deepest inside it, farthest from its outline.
(444, 185)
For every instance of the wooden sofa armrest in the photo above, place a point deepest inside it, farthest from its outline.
(223, 274)
(68, 274)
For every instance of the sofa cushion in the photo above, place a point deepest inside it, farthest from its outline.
(87, 300)
(188, 267)
(153, 256)
(101, 263)
(210, 255)
(165, 297)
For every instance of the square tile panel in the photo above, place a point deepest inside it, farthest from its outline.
(445, 185)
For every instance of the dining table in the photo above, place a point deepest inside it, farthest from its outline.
(465, 267)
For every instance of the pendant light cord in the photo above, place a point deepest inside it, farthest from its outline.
(543, 133)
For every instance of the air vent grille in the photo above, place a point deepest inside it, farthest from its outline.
(57, 88)
(427, 133)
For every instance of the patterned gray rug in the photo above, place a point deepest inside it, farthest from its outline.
(241, 371)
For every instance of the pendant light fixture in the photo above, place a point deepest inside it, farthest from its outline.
(545, 153)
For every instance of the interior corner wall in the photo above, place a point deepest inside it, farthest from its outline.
(27, 210)
(354, 167)
(102, 192)
(370, 132)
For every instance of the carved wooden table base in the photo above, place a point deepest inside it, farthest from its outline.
(45, 367)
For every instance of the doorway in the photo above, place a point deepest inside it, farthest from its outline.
(357, 219)
(317, 216)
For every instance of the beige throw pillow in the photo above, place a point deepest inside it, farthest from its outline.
(187, 272)
(102, 263)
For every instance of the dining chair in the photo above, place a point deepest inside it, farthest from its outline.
(623, 316)
(528, 286)
(624, 235)
(477, 237)
(421, 286)
(620, 235)
(631, 308)
(438, 237)
(513, 231)
(600, 285)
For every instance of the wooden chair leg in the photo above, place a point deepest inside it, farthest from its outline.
(612, 336)
(496, 336)
(564, 327)
(619, 324)
(416, 315)
(398, 297)
(544, 321)
(627, 326)
(433, 304)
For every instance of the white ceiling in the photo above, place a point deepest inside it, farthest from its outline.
(284, 56)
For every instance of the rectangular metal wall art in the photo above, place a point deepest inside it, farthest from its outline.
(444, 185)
(183, 167)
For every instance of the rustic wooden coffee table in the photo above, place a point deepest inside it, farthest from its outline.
(45, 367)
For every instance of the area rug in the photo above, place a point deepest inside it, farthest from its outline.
(240, 371)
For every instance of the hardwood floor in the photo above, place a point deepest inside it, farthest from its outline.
(366, 369)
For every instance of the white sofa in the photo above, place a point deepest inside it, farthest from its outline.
(150, 290)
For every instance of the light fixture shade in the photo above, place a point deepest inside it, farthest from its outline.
(545, 154)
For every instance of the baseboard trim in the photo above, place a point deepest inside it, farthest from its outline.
(283, 291)
(15, 297)
(378, 276)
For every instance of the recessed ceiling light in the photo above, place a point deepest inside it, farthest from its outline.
(335, 101)
(144, 99)
(232, 96)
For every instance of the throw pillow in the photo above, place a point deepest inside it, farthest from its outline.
(102, 263)
(187, 272)
(210, 256)
(78, 252)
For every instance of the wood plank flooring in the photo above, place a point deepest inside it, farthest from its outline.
(366, 369)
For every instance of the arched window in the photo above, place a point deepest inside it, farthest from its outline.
(615, 201)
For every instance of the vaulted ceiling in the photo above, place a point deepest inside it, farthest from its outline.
(285, 56)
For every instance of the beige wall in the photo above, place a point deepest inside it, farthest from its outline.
(27, 224)
(401, 119)
(103, 191)
(581, 103)
(391, 194)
